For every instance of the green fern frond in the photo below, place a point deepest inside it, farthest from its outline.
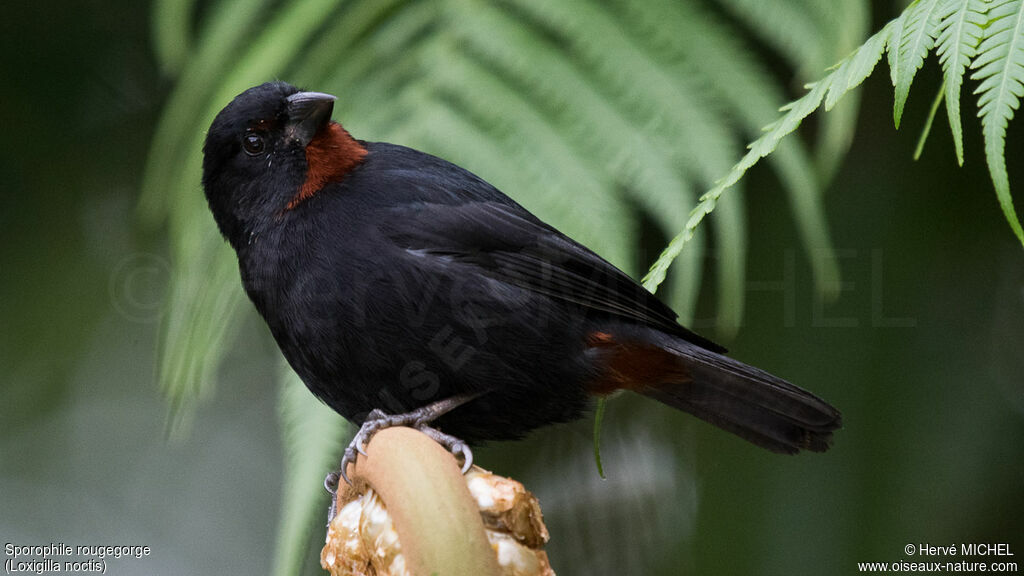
(464, 131)
(172, 36)
(851, 20)
(583, 113)
(999, 66)
(718, 60)
(691, 136)
(731, 262)
(193, 335)
(346, 34)
(527, 133)
(858, 66)
(707, 50)
(312, 435)
(712, 151)
(205, 284)
(624, 151)
(849, 74)
(760, 148)
(1000, 69)
(912, 42)
(812, 35)
(960, 31)
(225, 31)
(789, 26)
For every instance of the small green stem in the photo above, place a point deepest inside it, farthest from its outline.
(598, 418)
(928, 123)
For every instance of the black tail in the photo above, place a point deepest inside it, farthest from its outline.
(748, 402)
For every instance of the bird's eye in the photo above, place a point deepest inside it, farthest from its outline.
(252, 144)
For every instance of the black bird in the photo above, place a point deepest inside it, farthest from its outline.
(397, 283)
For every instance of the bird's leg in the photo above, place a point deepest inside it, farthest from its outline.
(419, 419)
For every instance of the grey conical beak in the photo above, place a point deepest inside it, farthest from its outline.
(308, 112)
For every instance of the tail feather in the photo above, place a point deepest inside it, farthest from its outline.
(751, 403)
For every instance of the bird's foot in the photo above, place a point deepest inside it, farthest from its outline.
(419, 419)
(453, 444)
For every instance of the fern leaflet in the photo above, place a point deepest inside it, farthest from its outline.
(848, 74)
(960, 30)
(916, 38)
(1000, 69)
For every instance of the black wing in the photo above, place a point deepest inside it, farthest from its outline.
(505, 242)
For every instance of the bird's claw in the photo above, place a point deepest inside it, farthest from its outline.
(467, 457)
(377, 421)
(331, 482)
(420, 419)
(451, 443)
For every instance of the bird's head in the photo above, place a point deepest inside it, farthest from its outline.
(269, 150)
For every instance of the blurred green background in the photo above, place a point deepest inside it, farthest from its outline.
(923, 350)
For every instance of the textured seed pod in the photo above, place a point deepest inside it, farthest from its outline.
(362, 540)
(507, 508)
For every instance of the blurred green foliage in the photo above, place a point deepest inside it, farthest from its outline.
(920, 349)
(539, 97)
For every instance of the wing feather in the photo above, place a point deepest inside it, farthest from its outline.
(504, 242)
